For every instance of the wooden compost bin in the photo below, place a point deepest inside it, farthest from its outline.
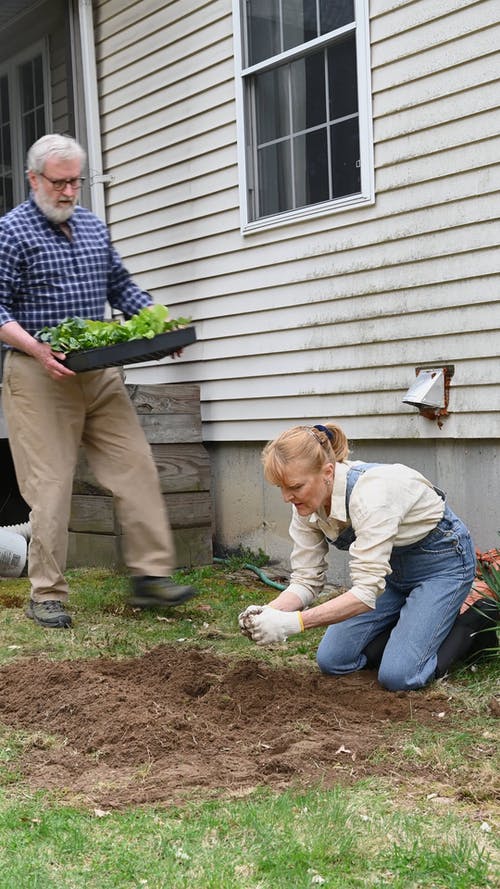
(170, 416)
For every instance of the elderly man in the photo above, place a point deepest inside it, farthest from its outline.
(56, 260)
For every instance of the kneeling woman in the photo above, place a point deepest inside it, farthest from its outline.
(412, 561)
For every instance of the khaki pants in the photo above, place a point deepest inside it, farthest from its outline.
(47, 421)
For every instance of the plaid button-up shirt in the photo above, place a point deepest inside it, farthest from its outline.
(45, 277)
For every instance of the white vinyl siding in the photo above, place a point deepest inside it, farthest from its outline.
(325, 317)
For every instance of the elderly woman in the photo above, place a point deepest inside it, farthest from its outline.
(412, 561)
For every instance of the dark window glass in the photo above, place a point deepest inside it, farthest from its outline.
(275, 178)
(342, 79)
(263, 30)
(27, 86)
(4, 100)
(299, 22)
(38, 80)
(345, 157)
(308, 91)
(272, 105)
(311, 168)
(6, 185)
(334, 14)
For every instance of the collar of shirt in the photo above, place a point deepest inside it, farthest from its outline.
(338, 510)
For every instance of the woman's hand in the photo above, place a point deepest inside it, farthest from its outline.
(266, 625)
(244, 619)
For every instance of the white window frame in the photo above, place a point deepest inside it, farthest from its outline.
(366, 195)
(11, 69)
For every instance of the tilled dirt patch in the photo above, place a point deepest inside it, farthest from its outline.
(158, 728)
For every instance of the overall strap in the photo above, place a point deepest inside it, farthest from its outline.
(347, 536)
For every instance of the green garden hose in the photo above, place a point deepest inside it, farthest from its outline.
(259, 572)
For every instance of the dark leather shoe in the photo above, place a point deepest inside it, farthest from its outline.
(148, 592)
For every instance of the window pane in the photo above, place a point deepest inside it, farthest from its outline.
(38, 80)
(334, 14)
(345, 157)
(29, 130)
(6, 186)
(27, 86)
(4, 100)
(342, 79)
(275, 179)
(271, 104)
(6, 147)
(299, 22)
(311, 168)
(308, 91)
(32, 102)
(263, 29)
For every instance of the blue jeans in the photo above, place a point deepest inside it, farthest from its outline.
(422, 597)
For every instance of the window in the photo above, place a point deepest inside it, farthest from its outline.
(303, 108)
(23, 119)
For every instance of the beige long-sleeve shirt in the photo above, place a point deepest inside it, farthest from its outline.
(391, 505)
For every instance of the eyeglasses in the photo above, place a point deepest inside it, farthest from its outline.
(60, 184)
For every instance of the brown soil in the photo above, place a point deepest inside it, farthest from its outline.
(180, 721)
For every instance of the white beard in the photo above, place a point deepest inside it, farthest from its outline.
(54, 214)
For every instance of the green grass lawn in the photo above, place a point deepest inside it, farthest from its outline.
(385, 830)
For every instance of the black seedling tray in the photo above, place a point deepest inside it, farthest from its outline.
(132, 351)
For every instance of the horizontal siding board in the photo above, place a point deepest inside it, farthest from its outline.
(388, 71)
(441, 84)
(396, 378)
(473, 212)
(420, 250)
(389, 330)
(388, 19)
(452, 116)
(366, 404)
(447, 138)
(202, 127)
(463, 21)
(359, 428)
(216, 320)
(203, 362)
(154, 46)
(174, 291)
(127, 97)
(190, 181)
(129, 173)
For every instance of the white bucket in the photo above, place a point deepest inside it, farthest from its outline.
(13, 550)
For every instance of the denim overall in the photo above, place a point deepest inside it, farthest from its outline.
(428, 582)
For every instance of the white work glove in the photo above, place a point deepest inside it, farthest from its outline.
(244, 619)
(269, 625)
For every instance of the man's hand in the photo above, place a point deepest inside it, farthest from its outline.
(269, 625)
(52, 362)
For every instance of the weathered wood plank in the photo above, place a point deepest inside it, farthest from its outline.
(173, 398)
(189, 509)
(193, 547)
(92, 513)
(181, 467)
(87, 550)
(171, 428)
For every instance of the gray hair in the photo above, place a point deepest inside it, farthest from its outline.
(64, 147)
